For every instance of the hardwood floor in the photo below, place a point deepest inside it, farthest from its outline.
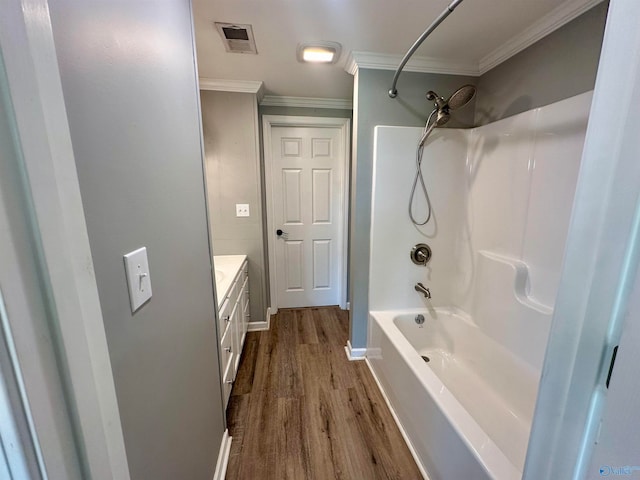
(300, 410)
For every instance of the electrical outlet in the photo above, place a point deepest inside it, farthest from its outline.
(242, 209)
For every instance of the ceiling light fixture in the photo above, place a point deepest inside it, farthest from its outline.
(319, 52)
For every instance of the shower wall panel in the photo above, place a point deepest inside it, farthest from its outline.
(502, 192)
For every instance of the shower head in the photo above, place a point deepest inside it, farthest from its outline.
(458, 99)
(461, 97)
(442, 117)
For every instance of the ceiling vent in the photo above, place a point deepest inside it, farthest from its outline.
(237, 38)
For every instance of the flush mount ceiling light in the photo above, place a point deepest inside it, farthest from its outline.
(319, 52)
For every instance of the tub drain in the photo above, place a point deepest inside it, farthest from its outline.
(425, 358)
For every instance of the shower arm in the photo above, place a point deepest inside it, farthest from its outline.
(393, 92)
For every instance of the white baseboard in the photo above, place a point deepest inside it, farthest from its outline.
(223, 457)
(355, 353)
(423, 470)
(348, 306)
(260, 326)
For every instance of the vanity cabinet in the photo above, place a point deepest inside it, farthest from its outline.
(233, 315)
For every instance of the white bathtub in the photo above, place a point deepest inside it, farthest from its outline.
(467, 412)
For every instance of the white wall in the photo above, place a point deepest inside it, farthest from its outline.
(502, 197)
(522, 174)
(392, 273)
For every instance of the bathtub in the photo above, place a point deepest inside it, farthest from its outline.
(466, 413)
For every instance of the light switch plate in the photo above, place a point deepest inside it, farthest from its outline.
(136, 266)
(242, 209)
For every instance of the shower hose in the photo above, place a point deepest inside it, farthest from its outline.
(428, 128)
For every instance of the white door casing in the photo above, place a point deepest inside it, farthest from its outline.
(305, 171)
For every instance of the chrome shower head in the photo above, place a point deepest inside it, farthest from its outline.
(461, 97)
(442, 117)
(458, 99)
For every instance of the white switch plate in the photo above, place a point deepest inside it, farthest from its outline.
(242, 209)
(136, 265)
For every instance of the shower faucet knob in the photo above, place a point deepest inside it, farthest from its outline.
(420, 254)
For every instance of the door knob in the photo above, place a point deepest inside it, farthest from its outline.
(281, 233)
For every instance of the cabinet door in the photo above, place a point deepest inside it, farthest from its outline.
(233, 332)
(236, 324)
(246, 313)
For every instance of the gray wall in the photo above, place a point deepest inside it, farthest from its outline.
(374, 107)
(129, 80)
(304, 112)
(233, 176)
(558, 66)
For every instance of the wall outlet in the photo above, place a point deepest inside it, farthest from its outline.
(242, 209)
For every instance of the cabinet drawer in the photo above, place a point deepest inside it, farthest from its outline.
(246, 314)
(224, 317)
(227, 384)
(226, 348)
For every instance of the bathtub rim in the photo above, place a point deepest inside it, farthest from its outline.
(492, 459)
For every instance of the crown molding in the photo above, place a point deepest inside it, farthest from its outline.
(306, 102)
(555, 19)
(238, 86)
(386, 61)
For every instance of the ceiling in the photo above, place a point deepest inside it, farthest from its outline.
(476, 30)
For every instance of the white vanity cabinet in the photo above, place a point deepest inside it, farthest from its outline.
(232, 285)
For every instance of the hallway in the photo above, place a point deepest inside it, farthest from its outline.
(300, 410)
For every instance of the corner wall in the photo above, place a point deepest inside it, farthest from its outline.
(372, 106)
(561, 65)
(558, 66)
(130, 87)
(233, 176)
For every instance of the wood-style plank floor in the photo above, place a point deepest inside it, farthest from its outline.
(299, 410)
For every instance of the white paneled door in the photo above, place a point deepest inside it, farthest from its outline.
(307, 177)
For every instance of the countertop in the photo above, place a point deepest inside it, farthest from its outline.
(227, 267)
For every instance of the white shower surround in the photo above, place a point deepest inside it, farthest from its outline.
(502, 197)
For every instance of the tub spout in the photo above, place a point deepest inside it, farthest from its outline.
(419, 287)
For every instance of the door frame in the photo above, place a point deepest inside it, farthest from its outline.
(268, 123)
(47, 160)
(601, 257)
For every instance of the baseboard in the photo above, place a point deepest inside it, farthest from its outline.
(423, 470)
(261, 326)
(348, 306)
(223, 457)
(355, 353)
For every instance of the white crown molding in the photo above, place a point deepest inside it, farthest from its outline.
(555, 19)
(306, 102)
(238, 86)
(386, 61)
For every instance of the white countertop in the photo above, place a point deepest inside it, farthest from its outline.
(227, 267)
